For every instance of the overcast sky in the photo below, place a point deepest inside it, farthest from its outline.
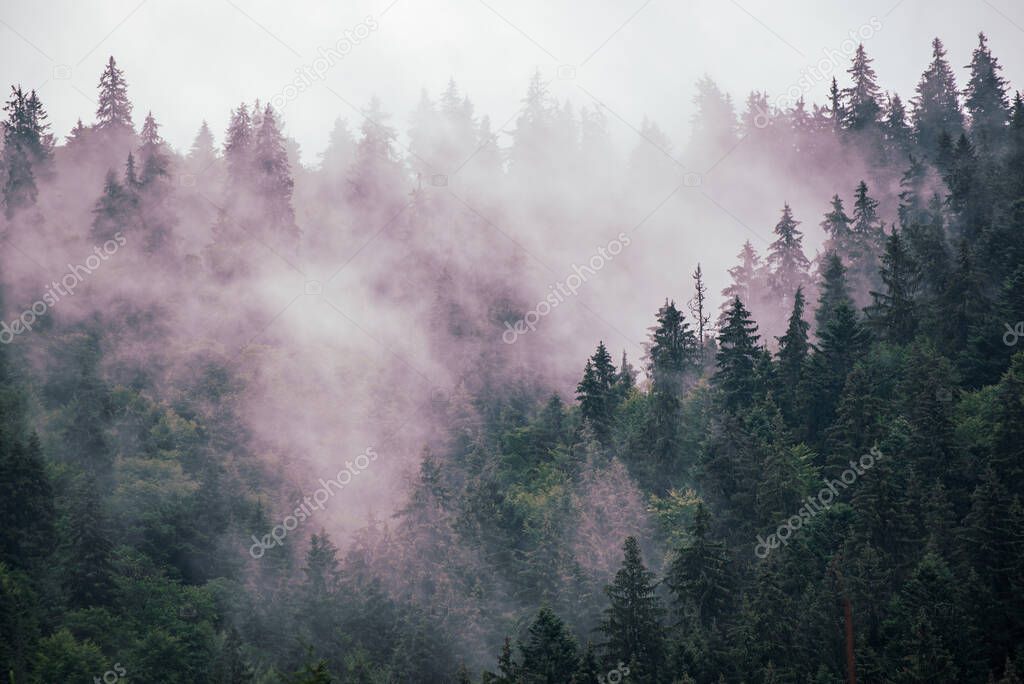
(195, 59)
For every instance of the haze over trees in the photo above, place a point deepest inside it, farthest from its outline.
(536, 514)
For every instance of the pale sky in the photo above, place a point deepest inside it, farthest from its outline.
(195, 59)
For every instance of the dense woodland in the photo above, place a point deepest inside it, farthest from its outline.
(605, 535)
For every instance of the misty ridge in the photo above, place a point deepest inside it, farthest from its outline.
(470, 400)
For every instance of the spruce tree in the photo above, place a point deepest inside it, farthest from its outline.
(862, 108)
(737, 354)
(596, 392)
(893, 313)
(89, 572)
(792, 355)
(747, 279)
(632, 624)
(838, 227)
(985, 96)
(787, 263)
(698, 575)
(114, 109)
(549, 652)
(936, 104)
(673, 350)
(833, 291)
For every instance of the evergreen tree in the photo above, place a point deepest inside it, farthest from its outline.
(894, 312)
(985, 96)
(786, 260)
(792, 354)
(273, 181)
(936, 105)
(673, 350)
(698, 575)
(596, 392)
(632, 624)
(699, 310)
(202, 155)
(88, 572)
(838, 227)
(155, 162)
(550, 651)
(833, 292)
(737, 354)
(27, 150)
(114, 109)
(862, 108)
(746, 279)
(238, 147)
(26, 504)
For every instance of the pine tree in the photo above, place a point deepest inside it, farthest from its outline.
(596, 392)
(155, 162)
(792, 354)
(673, 350)
(868, 240)
(897, 131)
(985, 96)
(936, 105)
(114, 111)
(273, 180)
(26, 504)
(746, 279)
(632, 624)
(699, 310)
(89, 572)
(838, 227)
(737, 354)
(27, 150)
(238, 144)
(833, 291)
(202, 155)
(862, 108)
(786, 260)
(230, 667)
(837, 110)
(550, 651)
(893, 313)
(698, 575)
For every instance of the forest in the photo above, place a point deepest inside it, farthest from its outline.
(815, 475)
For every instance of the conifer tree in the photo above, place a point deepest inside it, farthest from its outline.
(202, 154)
(27, 150)
(114, 109)
(833, 290)
(673, 350)
(862, 108)
(838, 227)
(549, 652)
(786, 259)
(155, 162)
(792, 354)
(632, 624)
(893, 312)
(89, 572)
(273, 179)
(699, 310)
(596, 392)
(985, 96)
(698, 575)
(747, 279)
(737, 354)
(238, 147)
(936, 104)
